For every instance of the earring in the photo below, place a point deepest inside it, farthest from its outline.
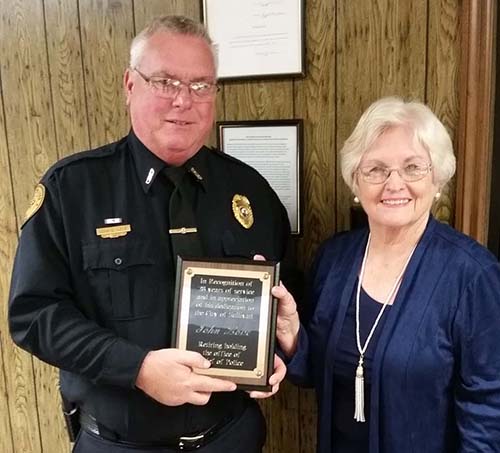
(437, 196)
(356, 200)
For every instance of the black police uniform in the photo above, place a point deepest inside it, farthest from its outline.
(94, 306)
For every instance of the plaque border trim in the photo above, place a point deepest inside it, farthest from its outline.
(244, 379)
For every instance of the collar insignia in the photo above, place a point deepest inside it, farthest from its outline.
(36, 202)
(150, 176)
(242, 210)
(195, 173)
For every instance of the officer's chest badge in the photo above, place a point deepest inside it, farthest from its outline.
(36, 202)
(242, 210)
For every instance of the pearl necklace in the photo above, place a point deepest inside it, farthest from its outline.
(359, 397)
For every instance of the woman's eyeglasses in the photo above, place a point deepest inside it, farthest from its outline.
(377, 174)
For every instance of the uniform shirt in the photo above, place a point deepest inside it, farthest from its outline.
(95, 306)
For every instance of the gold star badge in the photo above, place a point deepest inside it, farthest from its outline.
(242, 211)
(36, 202)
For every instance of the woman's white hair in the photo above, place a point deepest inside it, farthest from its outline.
(390, 112)
(171, 24)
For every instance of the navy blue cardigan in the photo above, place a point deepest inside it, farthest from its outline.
(436, 369)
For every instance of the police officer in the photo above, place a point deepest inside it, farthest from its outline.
(94, 275)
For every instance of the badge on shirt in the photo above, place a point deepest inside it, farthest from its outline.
(242, 210)
(36, 202)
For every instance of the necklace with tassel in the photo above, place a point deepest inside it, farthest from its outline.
(359, 382)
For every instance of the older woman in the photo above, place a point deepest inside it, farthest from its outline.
(403, 341)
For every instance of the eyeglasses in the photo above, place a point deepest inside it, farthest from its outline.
(168, 88)
(377, 174)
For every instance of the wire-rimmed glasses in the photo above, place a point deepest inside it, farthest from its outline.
(378, 174)
(168, 88)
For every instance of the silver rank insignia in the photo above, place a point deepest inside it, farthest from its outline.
(242, 210)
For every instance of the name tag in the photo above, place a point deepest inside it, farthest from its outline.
(113, 231)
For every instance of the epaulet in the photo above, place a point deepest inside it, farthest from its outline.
(97, 153)
(232, 160)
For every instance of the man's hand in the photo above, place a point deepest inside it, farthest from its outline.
(274, 380)
(167, 376)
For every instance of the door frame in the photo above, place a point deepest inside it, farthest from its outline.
(476, 117)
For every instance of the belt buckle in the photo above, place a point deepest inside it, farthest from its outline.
(190, 442)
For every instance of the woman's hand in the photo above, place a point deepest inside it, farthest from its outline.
(288, 322)
(274, 380)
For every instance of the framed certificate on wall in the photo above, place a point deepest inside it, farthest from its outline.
(257, 38)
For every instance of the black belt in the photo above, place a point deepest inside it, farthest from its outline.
(183, 443)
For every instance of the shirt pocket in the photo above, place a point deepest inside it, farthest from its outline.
(246, 244)
(121, 274)
(237, 246)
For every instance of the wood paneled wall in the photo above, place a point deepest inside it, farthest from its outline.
(61, 67)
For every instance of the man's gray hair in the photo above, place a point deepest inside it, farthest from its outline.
(180, 25)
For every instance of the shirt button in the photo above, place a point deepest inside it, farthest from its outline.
(118, 261)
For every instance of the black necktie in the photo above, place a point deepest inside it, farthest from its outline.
(183, 230)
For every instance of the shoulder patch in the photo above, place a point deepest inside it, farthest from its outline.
(36, 202)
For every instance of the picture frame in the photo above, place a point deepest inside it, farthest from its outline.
(224, 310)
(257, 39)
(275, 149)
